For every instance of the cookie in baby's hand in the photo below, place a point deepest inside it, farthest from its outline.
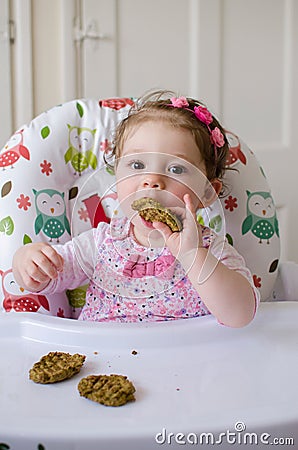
(152, 211)
(109, 390)
(56, 366)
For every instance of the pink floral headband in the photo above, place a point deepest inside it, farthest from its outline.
(204, 116)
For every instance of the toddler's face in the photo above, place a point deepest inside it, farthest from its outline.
(162, 162)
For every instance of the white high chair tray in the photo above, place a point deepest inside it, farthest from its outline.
(191, 377)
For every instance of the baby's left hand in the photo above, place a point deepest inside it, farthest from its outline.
(179, 243)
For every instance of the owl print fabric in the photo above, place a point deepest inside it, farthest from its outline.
(54, 185)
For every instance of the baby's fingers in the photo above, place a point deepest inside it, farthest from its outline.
(53, 256)
(35, 274)
(190, 209)
(163, 228)
(48, 263)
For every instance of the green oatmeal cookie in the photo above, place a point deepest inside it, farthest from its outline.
(151, 210)
(56, 366)
(109, 390)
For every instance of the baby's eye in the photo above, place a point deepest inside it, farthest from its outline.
(177, 170)
(137, 165)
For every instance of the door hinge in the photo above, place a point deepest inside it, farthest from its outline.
(9, 33)
(12, 31)
(90, 32)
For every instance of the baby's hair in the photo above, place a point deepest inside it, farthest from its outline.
(156, 106)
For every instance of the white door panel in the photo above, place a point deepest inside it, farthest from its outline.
(99, 44)
(259, 96)
(5, 74)
(142, 46)
(153, 45)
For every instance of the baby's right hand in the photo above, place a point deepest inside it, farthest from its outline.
(35, 265)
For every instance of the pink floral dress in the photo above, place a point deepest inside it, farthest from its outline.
(129, 282)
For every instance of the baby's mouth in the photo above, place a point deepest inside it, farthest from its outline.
(147, 223)
(151, 211)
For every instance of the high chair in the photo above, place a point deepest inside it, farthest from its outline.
(191, 376)
(58, 160)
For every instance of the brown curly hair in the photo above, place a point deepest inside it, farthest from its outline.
(156, 106)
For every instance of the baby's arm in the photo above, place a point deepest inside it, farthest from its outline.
(35, 265)
(227, 293)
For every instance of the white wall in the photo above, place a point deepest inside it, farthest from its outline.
(46, 32)
(5, 75)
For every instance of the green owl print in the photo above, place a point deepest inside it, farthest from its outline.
(80, 151)
(261, 217)
(51, 216)
(77, 297)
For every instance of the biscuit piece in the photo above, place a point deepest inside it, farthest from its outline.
(109, 390)
(56, 366)
(153, 211)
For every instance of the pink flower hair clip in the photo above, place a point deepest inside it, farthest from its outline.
(204, 116)
(217, 137)
(202, 113)
(179, 102)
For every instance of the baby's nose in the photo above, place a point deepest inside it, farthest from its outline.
(153, 181)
